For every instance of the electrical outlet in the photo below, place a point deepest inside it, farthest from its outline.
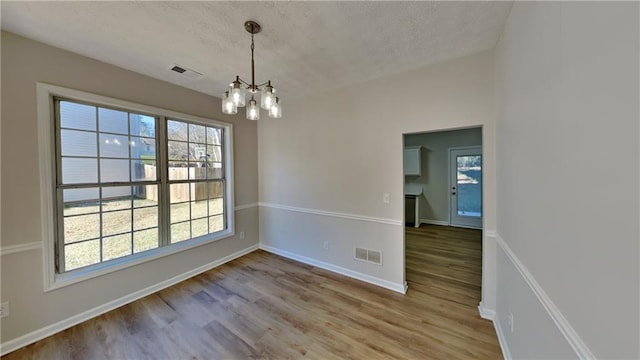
(326, 245)
(4, 309)
(241, 234)
(385, 198)
(510, 320)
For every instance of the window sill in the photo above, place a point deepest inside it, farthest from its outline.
(93, 271)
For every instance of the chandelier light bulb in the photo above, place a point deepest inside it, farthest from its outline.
(275, 112)
(237, 93)
(228, 106)
(253, 111)
(268, 97)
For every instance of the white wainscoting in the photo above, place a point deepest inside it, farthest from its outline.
(14, 249)
(300, 234)
(581, 350)
(401, 288)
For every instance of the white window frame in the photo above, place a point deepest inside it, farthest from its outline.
(45, 94)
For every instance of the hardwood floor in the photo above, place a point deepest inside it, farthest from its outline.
(265, 306)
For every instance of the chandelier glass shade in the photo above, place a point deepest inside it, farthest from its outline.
(236, 95)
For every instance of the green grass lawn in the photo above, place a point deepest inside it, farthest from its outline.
(128, 230)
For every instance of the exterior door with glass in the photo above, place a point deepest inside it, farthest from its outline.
(465, 189)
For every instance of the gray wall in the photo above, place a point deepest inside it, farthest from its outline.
(324, 169)
(434, 204)
(25, 62)
(567, 177)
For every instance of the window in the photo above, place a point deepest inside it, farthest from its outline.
(132, 182)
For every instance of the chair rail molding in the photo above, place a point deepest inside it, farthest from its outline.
(569, 333)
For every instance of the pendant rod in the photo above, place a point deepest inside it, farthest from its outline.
(253, 73)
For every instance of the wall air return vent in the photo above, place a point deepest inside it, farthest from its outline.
(368, 255)
(185, 71)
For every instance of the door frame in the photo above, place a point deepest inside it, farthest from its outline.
(487, 304)
(472, 224)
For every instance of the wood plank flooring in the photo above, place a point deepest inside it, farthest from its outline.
(266, 306)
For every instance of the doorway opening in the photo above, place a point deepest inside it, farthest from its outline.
(443, 215)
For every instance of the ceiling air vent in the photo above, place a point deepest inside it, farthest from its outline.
(370, 256)
(185, 71)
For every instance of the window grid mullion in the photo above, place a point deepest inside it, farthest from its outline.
(59, 241)
(162, 170)
(101, 243)
(131, 181)
(191, 196)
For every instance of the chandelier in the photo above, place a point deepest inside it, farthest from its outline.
(235, 97)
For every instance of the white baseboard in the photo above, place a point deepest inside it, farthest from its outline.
(401, 288)
(49, 330)
(489, 314)
(581, 349)
(501, 339)
(434, 222)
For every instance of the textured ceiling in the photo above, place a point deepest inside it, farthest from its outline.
(304, 47)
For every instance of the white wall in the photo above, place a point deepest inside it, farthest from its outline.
(325, 165)
(434, 205)
(25, 62)
(567, 177)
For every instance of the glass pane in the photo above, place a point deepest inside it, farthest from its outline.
(81, 227)
(469, 181)
(114, 146)
(112, 170)
(77, 116)
(78, 171)
(81, 254)
(215, 189)
(78, 143)
(177, 130)
(145, 195)
(145, 240)
(178, 171)
(198, 209)
(197, 172)
(199, 227)
(143, 125)
(116, 222)
(143, 170)
(113, 121)
(142, 148)
(214, 171)
(80, 201)
(178, 151)
(214, 136)
(180, 232)
(216, 206)
(179, 212)
(216, 223)
(116, 246)
(197, 152)
(215, 153)
(145, 218)
(116, 198)
(179, 192)
(197, 133)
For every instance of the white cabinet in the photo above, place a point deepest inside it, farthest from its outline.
(412, 160)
